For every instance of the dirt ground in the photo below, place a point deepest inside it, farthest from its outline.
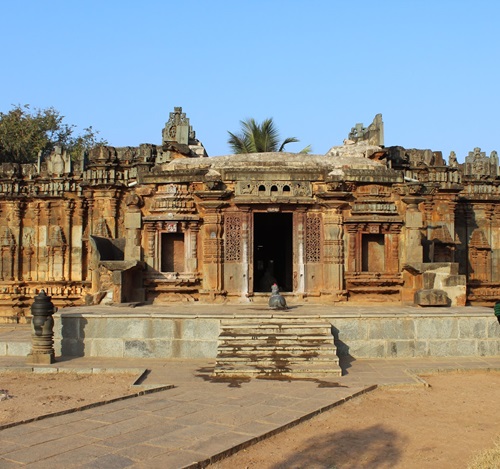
(410, 427)
(27, 395)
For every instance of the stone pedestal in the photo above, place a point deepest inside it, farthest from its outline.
(42, 339)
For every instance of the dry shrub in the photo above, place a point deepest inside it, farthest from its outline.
(487, 459)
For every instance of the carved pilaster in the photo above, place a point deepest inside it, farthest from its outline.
(192, 251)
(351, 255)
(36, 220)
(69, 207)
(17, 231)
(393, 237)
(333, 250)
(212, 249)
(151, 245)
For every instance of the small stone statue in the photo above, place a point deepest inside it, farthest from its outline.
(277, 301)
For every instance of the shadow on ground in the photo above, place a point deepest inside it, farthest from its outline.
(374, 447)
(206, 373)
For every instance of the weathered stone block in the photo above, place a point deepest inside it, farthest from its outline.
(467, 347)
(18, 349)
(162, 348)
(162, 328)
(452, 348)
(123, 328)
(198, 349)
(413, 219)
(132, 220)
(436, 328)
(351, 329)
(493, 328)
(89, 327)
(363, 349)
(406, 348)
(488, 348)
(454, 281)
(386, 329)
(200, 329)
(138, 349)
(432, 297)
(442, 348)
(106, 348)
(469, 328)
(428, 280)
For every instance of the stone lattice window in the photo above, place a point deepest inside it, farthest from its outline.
(313, 239)
(232, 248)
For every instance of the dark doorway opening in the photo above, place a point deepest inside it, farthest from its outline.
(373, 253)
(272, 251)
(172, 252)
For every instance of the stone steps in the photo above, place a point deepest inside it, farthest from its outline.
(276, 348)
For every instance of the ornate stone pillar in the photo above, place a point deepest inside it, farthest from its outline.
(333, 254)
(151, 245)
(212, 249)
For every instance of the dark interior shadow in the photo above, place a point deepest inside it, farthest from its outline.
(372, 447)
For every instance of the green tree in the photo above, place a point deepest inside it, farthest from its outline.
(24, 133)
(259, 138)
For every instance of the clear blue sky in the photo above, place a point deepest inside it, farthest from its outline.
(431, 67)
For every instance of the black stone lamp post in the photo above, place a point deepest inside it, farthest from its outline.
(42, 338)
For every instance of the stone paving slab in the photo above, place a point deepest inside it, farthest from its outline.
(200, 419)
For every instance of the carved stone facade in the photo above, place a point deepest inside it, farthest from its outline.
(158, 223)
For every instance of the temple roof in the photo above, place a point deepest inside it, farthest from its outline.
(278, 160)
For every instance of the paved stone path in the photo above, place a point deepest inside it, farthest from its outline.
(197, 420)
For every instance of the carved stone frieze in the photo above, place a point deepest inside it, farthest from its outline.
(274, 188)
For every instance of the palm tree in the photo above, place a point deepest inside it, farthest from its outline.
(259, 138)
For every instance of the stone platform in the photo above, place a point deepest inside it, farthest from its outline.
(192, 330)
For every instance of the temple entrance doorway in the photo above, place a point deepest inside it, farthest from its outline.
(272, 251)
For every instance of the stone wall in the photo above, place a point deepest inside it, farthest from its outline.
(419, 335)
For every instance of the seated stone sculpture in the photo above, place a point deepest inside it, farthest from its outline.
(277, 301)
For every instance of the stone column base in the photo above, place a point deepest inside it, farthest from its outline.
(40, 358)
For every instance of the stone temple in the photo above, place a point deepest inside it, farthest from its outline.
(361, 224)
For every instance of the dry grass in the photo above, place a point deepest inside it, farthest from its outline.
(487, 459)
